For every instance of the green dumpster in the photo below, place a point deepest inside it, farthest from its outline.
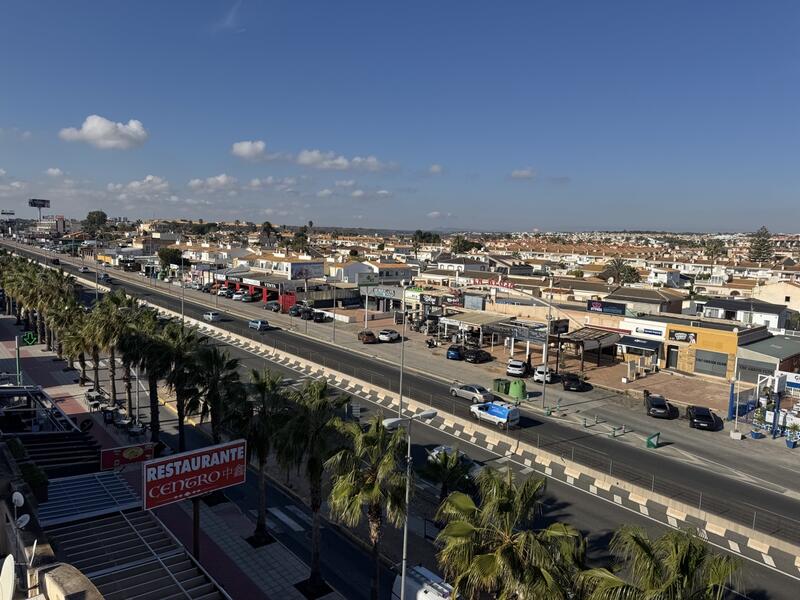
(652, 441)
(496, 384)
(501, 386)
(517, 390)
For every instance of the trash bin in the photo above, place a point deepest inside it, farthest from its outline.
(502, 386)
(496, 384)
(517, 390)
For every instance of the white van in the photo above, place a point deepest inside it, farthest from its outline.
(422, 584)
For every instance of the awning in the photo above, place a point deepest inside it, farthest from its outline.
(642, 344)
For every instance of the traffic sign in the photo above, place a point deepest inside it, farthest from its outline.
(30, 338)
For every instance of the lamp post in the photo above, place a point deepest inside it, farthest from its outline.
(392, 424)
(183, 291)
(403, 284)
(546, 344)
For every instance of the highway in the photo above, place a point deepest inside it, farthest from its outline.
(688, 483)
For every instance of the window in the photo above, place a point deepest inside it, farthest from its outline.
(787, 299)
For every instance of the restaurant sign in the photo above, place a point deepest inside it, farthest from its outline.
(189, 474)
(114, 458)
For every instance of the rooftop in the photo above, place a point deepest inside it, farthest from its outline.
(780, 347)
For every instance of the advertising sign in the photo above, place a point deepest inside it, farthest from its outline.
(686, 337)
(647, 331)
(113, 458)
(608, 308)
(189, 474)
(559, 326)
(38, 203)
(6, 212)
(792, 379)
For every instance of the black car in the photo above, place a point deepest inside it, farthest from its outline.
(572, 383)
(475, 355)
(295, 311)
(319, 316)
(701, 418)
(657, 406)
(307, 315)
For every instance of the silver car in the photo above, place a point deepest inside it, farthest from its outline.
(473, 393)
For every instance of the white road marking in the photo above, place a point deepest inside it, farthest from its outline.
(285, 519)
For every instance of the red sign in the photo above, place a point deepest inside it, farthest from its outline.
(180, 476)
(113, 458)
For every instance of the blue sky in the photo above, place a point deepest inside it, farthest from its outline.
(484, 115)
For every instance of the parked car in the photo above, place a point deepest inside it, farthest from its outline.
(212, 316)
(476, 355)
(572, 382)
(455, 353)
(365, 336)
(223, 291)
(657, 406)
(307, 314)
(196, 285)
(701, 417)
(248, 298)
(516, 368)
(104, 278)
(258, 324)
(502, 414)
(206, 288)
(388, 335)
(320, 317)
(542, 374)
(295, 310)
(273, 305)
(472, 392)
(238, 295)
(83, 269)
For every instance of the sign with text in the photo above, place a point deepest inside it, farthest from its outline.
(194, 473)
(38, 203)
(687, 337)
(608, 308)
(113, 458)
(559, 326)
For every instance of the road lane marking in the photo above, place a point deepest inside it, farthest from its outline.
(285, 519)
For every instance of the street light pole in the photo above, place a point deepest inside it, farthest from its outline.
(392, 424)
(183, 292)
(402, 350)
(546, 344)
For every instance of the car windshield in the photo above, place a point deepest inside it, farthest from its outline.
(480, 389)
(704, 415)
(658, 402)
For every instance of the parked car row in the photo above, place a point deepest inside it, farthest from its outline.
(366, 336)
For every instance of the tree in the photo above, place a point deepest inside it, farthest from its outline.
(495, 549)
(449, 470)
(353, 252)
(309, 439)
(169, 256)
(714, 249)
(368, 479)
(259, 416)
(218, 385)
(269, 230)
(460, 244)
(628, 274)
(761, 246)
(578, 273)
(678, 565)
(94, 221)
(76, 344)
(621, 271)
(182, 345)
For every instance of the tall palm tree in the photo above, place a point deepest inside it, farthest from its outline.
(218, 385)
(76, 343)
(449, 470)
(182, 345)
(493, 548)
(110, 321)
(615, 268)
(258, 416)
(308, 440)
(676, 566)
(368, 478)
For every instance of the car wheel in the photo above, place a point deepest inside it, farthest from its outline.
(453, 393)
(500, 424)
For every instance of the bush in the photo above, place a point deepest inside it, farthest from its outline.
(33, 475)
(16, 448)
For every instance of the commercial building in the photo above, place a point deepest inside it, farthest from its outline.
(776, 353)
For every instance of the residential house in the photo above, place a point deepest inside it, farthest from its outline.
(647, 300)
(748, 311)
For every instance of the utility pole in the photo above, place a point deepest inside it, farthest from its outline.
(546, 344)
(183, 292)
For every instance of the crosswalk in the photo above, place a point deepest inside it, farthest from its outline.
(286, 518)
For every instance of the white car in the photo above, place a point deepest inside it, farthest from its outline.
(502, 414)
(388, 335)
(474, 468)
(83, 269)
(472, 392)
(516, 368)
(238, 295)
(542, 374)
(223, 291)
(212, 316)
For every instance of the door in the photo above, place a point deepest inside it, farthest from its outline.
(672, 357)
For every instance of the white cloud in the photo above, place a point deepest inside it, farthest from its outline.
(384, 193)
(281, 184)
(337, 162)
(526, 173)
(2, 172)
(54, 172)
(437, 214)
(357, 193)
(346, 183)
(107, 135)
(213, 184)
(150, 189)
(324, 193)
(435, 169)
(249, 150)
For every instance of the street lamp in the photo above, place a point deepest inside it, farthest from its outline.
(392, 424)
(404, 285)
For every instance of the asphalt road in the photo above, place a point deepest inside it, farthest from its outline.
(713, 491)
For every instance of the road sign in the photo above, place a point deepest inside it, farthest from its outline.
(190, 474)
(29, 338)
(559, 326)
(113, 458)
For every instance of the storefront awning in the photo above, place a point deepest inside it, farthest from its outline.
(642, 344)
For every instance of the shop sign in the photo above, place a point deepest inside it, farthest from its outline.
(430, 299)
(450, 322)
(496, 283)
(189, 474)
(559, 326)
(248, 281)
(792, 379)
(385, 292)
(268, 285)
(234, 279)
(219, 276)
(687, 337)
(647, 331)
(608, 308)
(113, 458)
(452, 300)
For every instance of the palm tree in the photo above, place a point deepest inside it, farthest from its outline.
(309, 439)
(218, 385)
(109, 324)
(258, 417)
(615, 267)
(449, 470)
(76, 344)
(368, 477)
(678, 566)
(183, 345)
(494, 549)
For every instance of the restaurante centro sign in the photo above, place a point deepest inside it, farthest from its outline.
(194, 473)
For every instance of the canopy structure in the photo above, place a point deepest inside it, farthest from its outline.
(629, 341)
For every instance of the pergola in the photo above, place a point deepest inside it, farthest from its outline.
(590, 338)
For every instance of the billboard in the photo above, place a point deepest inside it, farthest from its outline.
(38, 203)
(113, 458)
(6, 212)
(688, 337)
(608, 308)
(189, 474)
